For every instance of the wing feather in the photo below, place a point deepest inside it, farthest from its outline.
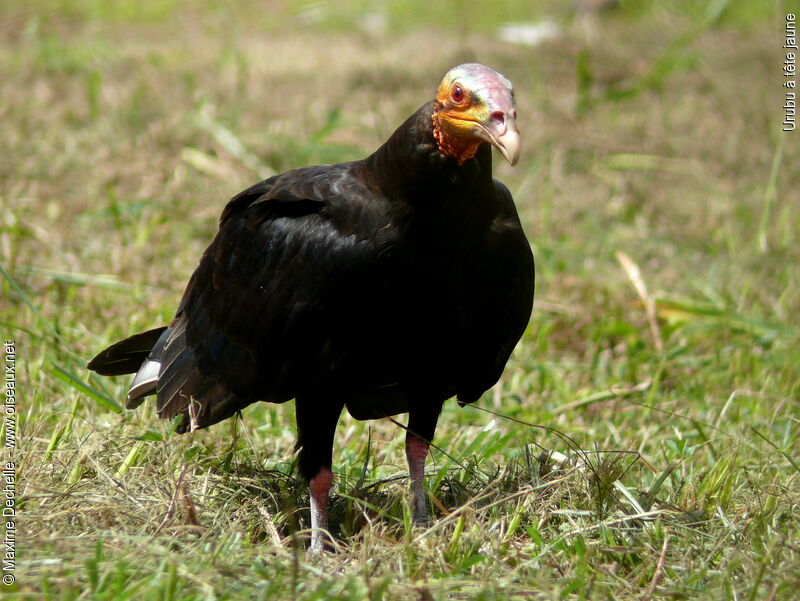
(255, 322)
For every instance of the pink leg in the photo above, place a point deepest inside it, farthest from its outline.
(319, 488)
(416, 453)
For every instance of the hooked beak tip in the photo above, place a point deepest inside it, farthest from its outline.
(508, 144)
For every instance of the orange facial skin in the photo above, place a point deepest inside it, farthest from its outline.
(475, 104)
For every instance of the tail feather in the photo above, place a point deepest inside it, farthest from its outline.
(166, 367)
(144, 383)
(179, 379)
(146, 379)
(126, 356)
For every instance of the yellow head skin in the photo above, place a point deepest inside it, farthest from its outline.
(475, 104)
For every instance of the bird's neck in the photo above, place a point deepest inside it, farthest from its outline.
(410, 165)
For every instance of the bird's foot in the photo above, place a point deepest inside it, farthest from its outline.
(421, 517)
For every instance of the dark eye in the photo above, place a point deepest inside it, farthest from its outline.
(457, 94)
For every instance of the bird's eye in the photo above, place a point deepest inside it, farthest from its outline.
(457, 94)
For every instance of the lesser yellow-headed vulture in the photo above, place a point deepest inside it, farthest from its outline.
(386, 285)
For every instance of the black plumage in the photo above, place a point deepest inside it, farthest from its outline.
(383, 286)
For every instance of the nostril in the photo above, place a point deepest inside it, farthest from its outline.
(498, 117)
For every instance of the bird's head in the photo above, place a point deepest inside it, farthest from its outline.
(475, 104)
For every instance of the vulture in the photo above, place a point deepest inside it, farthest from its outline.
(384, 286)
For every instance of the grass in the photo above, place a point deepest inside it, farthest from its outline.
(660, 197)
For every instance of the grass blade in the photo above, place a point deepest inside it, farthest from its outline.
(74, 381)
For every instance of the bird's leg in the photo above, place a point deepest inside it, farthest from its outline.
(316, 425)
(416, 452)
(421, 427)
(319, 488)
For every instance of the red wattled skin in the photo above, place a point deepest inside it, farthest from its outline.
(459, 148)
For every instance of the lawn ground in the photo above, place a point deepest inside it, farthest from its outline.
(662, 201)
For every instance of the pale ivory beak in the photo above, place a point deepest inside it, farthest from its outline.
(501, 132)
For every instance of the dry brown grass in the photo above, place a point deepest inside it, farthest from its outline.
(117, 161)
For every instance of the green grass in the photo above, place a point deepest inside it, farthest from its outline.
(661, 199)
